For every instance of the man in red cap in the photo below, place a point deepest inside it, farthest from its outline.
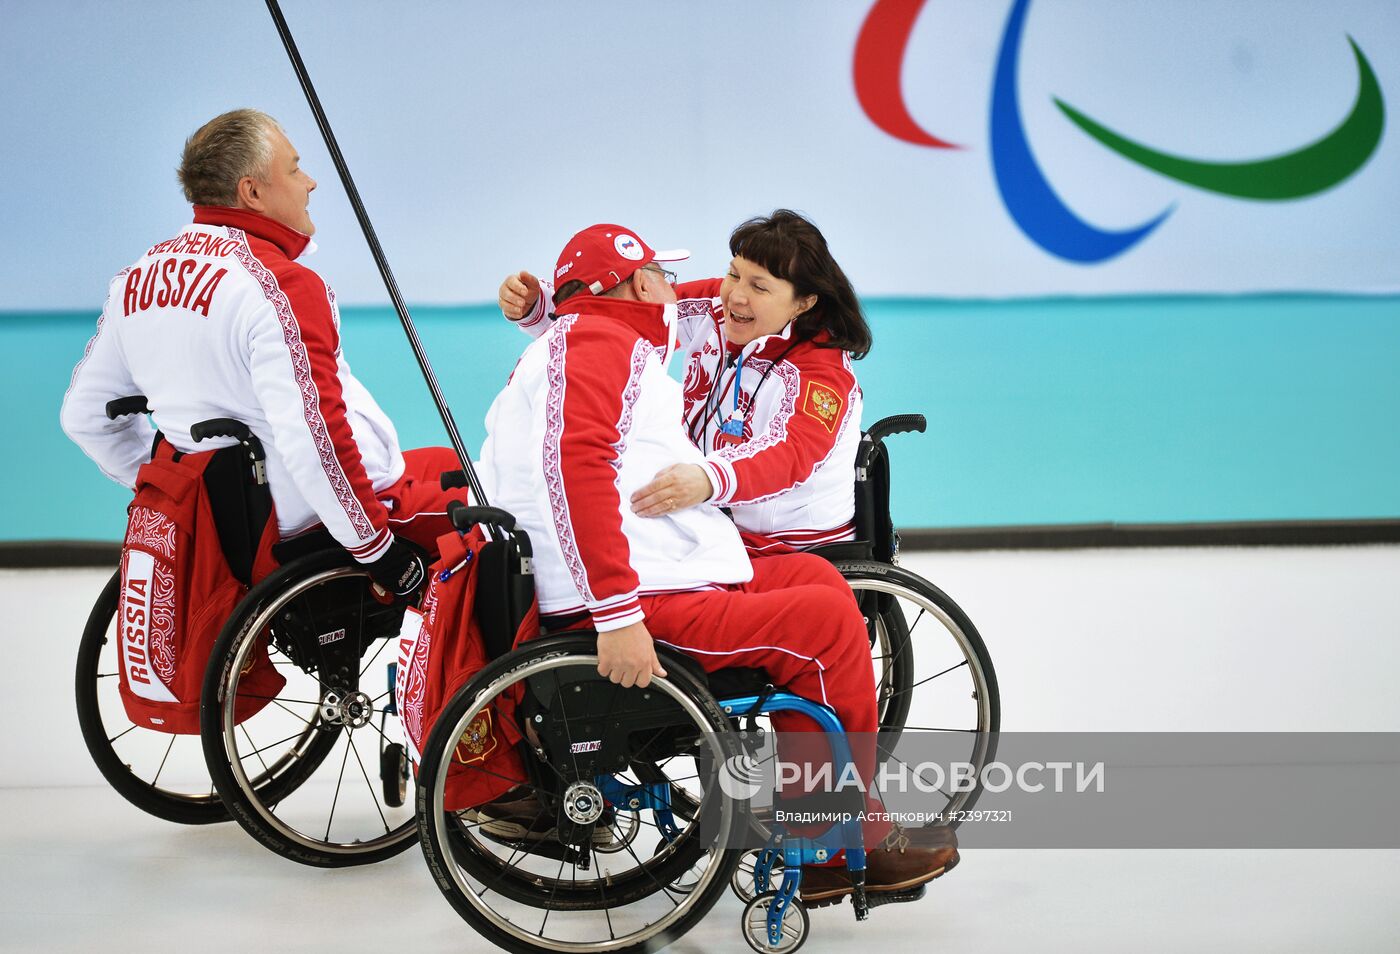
(588, 417)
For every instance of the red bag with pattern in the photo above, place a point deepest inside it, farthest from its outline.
(441, 647)
(177, 589)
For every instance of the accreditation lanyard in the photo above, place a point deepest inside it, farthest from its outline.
(731, 430)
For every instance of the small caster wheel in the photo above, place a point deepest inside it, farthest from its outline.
(792, 930)
(742, 881)
(393, 772)
(623, 826)
(687, 882)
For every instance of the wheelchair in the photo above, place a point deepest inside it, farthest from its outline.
(336, 645)
(641, 836)
(160, 773)
(312, 616)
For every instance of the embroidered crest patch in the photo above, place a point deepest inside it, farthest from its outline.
(822, 403)
(478, 741)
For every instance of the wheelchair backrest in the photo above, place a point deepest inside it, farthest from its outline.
(874, 524)
(235, 484)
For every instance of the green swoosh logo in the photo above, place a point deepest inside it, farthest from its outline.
(1291, 175)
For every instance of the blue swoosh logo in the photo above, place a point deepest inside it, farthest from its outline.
(1028, 196)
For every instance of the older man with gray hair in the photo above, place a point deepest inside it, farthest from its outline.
(223, 321)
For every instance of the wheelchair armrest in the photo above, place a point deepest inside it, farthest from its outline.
(228, 427)
(845, 550)
(883, 428)
(121, 407)
(464, 517)
(220, 427)
(896, 424)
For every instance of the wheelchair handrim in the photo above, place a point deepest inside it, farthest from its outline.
(247, 641)
(985, 737)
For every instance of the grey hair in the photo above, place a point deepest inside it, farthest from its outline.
(223, 151)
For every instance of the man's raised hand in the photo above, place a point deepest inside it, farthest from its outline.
(518, 295)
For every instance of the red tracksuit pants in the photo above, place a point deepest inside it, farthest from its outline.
(798, 620)
(417, 503)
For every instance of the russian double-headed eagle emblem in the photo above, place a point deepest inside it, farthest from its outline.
(823, 404)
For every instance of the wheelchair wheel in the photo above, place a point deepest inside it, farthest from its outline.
(932, 669)
(317, 622)
(792, 931)
(159, 773)
(558, 893)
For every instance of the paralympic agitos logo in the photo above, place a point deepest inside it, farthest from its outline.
(1028, 195)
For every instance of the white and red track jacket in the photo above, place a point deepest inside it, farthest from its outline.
(220, 321)
(789, 481)
(589, 417)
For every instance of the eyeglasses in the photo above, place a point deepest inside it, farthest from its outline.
(665, 273)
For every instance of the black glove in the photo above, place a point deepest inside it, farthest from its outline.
(400, 570)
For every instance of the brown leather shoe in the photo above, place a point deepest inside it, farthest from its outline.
(907, 858)
(517, 818)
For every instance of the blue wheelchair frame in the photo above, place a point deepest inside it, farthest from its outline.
(795, 852)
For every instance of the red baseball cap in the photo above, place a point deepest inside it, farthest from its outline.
(604, 256)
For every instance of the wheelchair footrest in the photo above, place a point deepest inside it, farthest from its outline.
(877, 898)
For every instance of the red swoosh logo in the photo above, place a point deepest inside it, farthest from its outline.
(879, 61)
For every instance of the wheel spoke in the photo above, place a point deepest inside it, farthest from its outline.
(241, 694)
(122, 733)
(257, 751)
(552, 892)
(162, 761)
(382, 644)
(373, 794)
(270, 745)
(938, 675)
(334, 801)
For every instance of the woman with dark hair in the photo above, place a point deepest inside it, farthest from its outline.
(770, 395)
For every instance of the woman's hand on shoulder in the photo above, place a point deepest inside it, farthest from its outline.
(673, 488)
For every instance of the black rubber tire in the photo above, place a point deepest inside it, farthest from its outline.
(181, 808)
(393, 763)
(216, 681)
(956, 625)
(441, 849)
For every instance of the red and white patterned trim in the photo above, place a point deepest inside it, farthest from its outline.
(694, 307)
(721, 479)
(301, 367)
(87, 351)
(796, 541)
(537, 314)
(553, 467)
(641, 351)
(162, 631)
(777, 433)
(120, 276)
(151, 530)
(616, 613)
(373, 548)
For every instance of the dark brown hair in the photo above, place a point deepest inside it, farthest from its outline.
(790, 247)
